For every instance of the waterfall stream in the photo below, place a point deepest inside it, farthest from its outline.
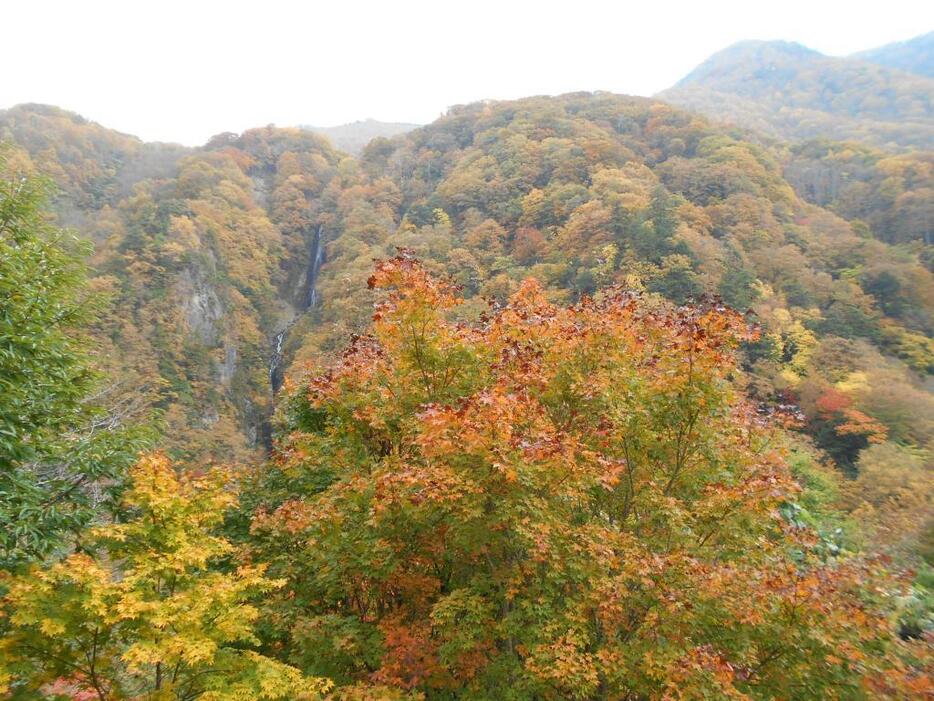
(309, 299)
(314, 267)
(275, 362)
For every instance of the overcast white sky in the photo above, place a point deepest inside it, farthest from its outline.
(183, 71)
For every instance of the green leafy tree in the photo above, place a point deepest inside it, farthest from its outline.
(62, 448)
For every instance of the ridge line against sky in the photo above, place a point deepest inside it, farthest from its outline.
(184, 71)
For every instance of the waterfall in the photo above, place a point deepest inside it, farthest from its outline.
(309, 299)
(314, 267)
(275, 362)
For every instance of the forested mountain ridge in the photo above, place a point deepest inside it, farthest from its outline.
(585, 190)
(95, 166)
(210, 255)
(791, 92)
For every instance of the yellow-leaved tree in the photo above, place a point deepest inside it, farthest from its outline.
(146, 610)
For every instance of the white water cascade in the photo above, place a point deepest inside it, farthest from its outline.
(308, 301)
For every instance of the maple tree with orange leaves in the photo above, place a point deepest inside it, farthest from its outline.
(555, 503)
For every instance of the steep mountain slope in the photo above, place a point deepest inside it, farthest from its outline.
(206, 255)
(912, 56)
(791, 92)
(354, 136)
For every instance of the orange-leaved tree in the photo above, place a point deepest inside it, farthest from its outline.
(552, 503)
(144, 612)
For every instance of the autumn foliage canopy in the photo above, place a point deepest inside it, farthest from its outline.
(551, 503)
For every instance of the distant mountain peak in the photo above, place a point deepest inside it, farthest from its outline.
(790, 91)
(779, 45)
(912, 56)
(353, 137)
(749, 54)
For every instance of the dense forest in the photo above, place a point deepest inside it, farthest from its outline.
(579, 397)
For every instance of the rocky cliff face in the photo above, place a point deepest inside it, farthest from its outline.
(200, 305)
